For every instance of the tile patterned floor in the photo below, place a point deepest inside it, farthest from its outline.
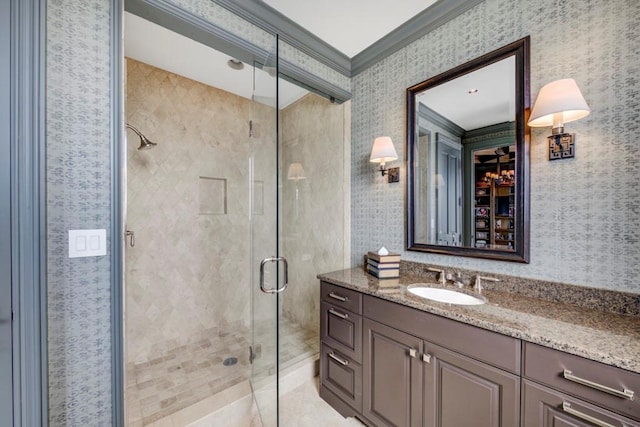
(303, 407)
(188, 374)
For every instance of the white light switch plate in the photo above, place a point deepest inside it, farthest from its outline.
(83, 243)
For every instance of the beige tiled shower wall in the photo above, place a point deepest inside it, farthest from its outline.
(188, 203)
(316, 134)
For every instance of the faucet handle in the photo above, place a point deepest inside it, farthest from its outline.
(479, 279)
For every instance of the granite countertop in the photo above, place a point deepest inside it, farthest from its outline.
(598, 335)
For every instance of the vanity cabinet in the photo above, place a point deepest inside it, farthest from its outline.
(562, 386)
(413, 368)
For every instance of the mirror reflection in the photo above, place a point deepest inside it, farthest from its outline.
(465, 155)
(494, 202)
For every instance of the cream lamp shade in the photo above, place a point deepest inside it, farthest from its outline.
(296, 172)
(383, 150)
(558, 102)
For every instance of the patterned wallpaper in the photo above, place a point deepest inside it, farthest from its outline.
(78, 197)
(585, 212)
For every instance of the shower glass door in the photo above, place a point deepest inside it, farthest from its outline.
(266, 273)
(299, 181)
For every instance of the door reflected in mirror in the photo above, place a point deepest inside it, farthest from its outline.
(468, 158)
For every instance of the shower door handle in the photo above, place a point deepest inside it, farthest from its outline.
(286, 275)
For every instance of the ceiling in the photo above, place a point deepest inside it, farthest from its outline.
(350, 25)
(492, 99)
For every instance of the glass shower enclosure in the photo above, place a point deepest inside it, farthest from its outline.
(241, 203)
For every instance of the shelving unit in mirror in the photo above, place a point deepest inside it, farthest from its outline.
(494, 204)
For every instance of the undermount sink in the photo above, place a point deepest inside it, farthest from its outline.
(446, 295)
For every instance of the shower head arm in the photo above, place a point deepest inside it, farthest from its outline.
(135, 130)
(145, 144)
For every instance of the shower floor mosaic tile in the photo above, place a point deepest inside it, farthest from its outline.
(190, 373)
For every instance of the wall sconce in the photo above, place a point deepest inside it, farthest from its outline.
(559, 102)
(296, 172)
(382, 152)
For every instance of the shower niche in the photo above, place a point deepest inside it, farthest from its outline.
(212, 194)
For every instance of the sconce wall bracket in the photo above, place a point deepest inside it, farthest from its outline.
(393, 175)
(561, 146)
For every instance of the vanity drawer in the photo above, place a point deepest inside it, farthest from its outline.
(342, 376)
(341, 297)
(595, 382)
(341, 329)
(543, 406)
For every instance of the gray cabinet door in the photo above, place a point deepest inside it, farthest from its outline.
(544, 407)
(463, 392)
(392, 376)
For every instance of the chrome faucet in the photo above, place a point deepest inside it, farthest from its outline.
(442, 277)
(456, 280)
(478, 285)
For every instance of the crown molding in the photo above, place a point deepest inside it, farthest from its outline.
(426, 21)
(432, 116)
(264, 16)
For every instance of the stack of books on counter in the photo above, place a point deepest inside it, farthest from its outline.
(385, 267)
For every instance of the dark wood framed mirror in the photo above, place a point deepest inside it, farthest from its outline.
(468, 158)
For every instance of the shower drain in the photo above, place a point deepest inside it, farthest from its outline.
(230, 361)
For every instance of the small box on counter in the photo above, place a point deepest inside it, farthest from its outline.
(383, 266)
(389, 258)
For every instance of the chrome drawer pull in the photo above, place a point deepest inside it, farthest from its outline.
(566, 407)
(426, 358)
(413, 353)
(340, 315)
(337, 359)
(338, 297)
(625, 394)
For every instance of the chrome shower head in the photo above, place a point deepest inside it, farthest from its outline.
(145, 144)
